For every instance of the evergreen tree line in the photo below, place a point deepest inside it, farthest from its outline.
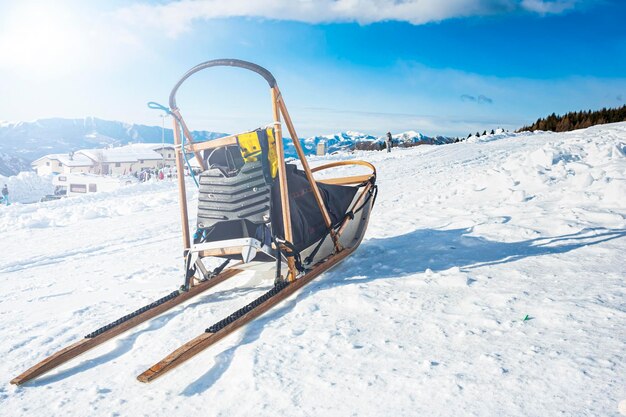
(577, 120)
(477, 134)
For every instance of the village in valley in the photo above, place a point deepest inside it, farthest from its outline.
(95, 170)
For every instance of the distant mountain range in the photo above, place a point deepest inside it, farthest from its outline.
(348, 140)
(23, 142)
(10, 165)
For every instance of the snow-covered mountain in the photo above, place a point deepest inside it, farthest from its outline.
(349, 140)
(334, 142)
(11, 165)
(23, 142)
(412, 136)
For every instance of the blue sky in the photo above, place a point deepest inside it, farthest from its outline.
(435, 66)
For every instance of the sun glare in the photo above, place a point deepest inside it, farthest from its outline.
(40, 40)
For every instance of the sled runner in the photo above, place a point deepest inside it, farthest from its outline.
(255, 211)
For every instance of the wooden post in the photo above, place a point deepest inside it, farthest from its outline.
(182, 192)
(307, 170)
(282, 178)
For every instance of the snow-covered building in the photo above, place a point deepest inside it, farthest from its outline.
(165, 150)
(62, 164)
(112, 161)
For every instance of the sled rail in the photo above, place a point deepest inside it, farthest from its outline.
(206, 339)
(72, 351)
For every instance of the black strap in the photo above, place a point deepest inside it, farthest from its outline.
(219, 269)
(372, 193)
(135, 313)
(292, 252)
(277, 288)
(309, 258)
(278, 278)
(190, 270)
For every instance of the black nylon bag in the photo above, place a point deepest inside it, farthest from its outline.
(307, 222)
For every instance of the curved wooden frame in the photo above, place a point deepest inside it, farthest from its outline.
(353, 179)
(345, 163)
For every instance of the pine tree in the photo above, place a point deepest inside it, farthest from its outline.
(564, 125)
(577, 120)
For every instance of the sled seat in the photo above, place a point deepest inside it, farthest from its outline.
(242, 196)
(234, 198)
(239, 202)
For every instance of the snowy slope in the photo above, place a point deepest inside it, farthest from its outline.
(426, 318)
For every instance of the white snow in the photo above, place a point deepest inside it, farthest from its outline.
(26, 187)
(426, 318)
(128, 153)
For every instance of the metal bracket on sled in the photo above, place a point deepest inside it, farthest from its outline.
(246, 247)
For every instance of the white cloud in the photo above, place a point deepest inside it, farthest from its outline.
(547, 7)
(176, 17)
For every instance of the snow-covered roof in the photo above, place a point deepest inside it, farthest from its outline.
(128, 153)
(149, 146)
(77, 160)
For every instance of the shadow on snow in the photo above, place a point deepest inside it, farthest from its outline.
(439, 250)
(411, 253)
(392, 257)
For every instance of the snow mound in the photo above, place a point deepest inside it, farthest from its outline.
(136, 198)
(500, 134)
(27, 187)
